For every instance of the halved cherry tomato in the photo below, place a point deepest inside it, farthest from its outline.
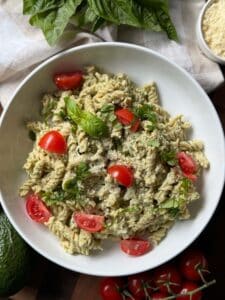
(88, 222)
(140, 285)
(123, 174)
(187, 165)
(36, 209)
(53, 142)
(135, 126)
(167, 279)
(135, 247)
(126, 117)
(192, 264)
(69, 80)
(188, 287)
(110, 288)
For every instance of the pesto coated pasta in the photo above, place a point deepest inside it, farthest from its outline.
(110, 122)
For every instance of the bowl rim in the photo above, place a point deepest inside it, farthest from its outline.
(200, 37)
(141, 49)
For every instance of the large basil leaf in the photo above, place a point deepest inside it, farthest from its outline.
(126, 12)
(53, 22)
(90, 123)
(31, 7)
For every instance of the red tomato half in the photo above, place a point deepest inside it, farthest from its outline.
(122, 174)
(188, 287)
(68, 81)
(140, 285)
(187, 165)
(91, 223)
(192, 264)
(135, 247)
(53, 142)
(36, 209)
(167, 279)
(126, 117)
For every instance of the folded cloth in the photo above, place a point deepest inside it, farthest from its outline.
(23, 46)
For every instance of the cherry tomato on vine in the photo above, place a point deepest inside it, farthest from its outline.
(36, 208)
(167, 279)
(192, 264)
(127, 117)
(188, 287)
(88, 222)
(53, 142)
(187, 165)
(110, 288)
(135, 247)
(123, 174)
(69, 80)
(140, 285)
(158, 296)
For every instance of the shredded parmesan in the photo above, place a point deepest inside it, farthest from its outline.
(213, 27)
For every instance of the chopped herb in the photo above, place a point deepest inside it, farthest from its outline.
(173, 206)
(185, 186)
(151, 127)
(169, 157)
(118, 126)
(170, 203)
(53, 197)
(82, 171)
(107, 108)
(90, 123)
(62, 114)
(153, 143)
(174, 211)
(145, 112)
(32, 135)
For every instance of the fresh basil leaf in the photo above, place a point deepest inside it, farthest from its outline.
(53, 22)
(31, 7)
(166, 24)
(99, 22)
(89, 122)
(154, 3)
(161, 10)
(169, 157)
(126, 12)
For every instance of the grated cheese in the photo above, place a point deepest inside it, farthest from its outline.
(213, 27)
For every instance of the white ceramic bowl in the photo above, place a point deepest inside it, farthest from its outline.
(200, 37)
(179, 94)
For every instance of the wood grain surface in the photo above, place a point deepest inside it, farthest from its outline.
(51, 282)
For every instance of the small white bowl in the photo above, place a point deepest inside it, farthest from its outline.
(179, 93)
(200, 38)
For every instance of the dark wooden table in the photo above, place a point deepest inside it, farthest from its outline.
(51, 282)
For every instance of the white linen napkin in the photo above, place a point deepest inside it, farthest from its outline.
(22, 46)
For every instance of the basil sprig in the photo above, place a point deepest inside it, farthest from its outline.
(89, 122)
(54, 16)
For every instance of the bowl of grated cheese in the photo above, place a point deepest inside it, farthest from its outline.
(211, 30)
